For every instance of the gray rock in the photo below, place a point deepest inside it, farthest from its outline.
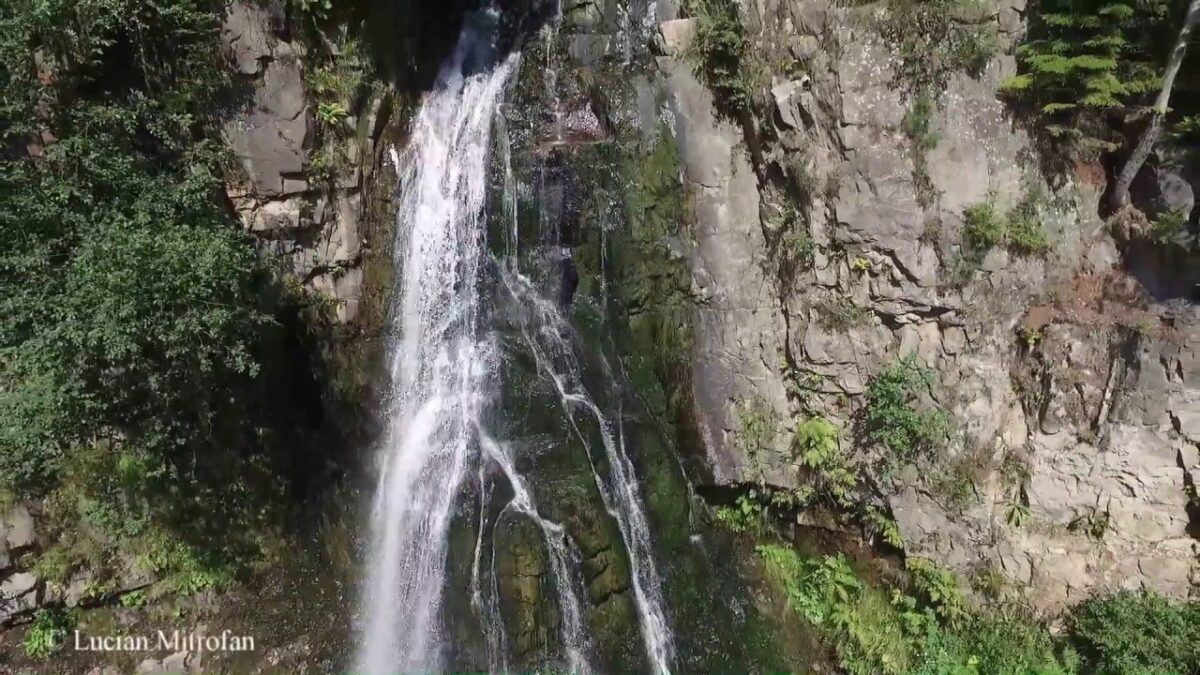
(1174, 192)
(582, 14)
(1129, 460)
(269, 140)
(179, 662)
(246, 35)
(18, 528)
(278, 215)
(738, 330)
(77, 589)
(588, 49)
(675, 36)
(18, 593)
(786, 97)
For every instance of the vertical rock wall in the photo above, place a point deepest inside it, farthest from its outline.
(319, 230)
(1096, 408)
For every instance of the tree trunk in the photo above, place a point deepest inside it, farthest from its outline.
(1120, 192)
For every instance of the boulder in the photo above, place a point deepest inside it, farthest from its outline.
(18, 528)
(18, 593)
(675, 36)
(1175, 193)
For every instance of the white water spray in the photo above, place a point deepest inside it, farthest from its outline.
(548, 336)
(443, 370)
(441, 367)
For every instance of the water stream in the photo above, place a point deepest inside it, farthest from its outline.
(444, 369)
(442, 362)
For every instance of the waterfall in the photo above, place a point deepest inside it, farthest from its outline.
(549, 338)
(442, 363)
(444, 369)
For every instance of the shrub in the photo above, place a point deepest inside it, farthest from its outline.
(932, 632)
(719, 53)
(897, 414)
(1023, 232)
(918, 123)
(983, 229)
(865, 629)
(1020, 230)
(758, 425)
(994, 645)
(841, 314)
(1136, 632)
(817, 448)
(883, 526)
(938, 588)
(48, 632)
(1169, 226)
(748, 514)
(134, 599)
(148, 382)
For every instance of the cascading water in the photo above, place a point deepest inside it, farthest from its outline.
(441, 364)
(548, 336)
(444, 369)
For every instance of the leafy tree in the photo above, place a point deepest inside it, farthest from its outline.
(140, 333)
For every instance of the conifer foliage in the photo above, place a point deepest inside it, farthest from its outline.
(1087, 57)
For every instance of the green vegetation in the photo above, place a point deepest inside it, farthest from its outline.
(1169, 226)
(48, 632)
(792, 250)
(817, 447)
(883, 526)
(1086, 58)
(652, 283)
(147, 351)
(1136, 632)
(133, 599)
(920, 623)
(748, 514)
(937, 588)
(900, 414)
(719, 53)
(841, 314)
(934, 39)
(1016, 514)
(995, 644)
(757, 427)
(868, 630)
(335, 80)
(918, 127)
(937, 38)
(1020, 230)
(922, 627)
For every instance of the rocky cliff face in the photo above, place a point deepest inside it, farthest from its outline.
(316, 225)
(1072, 391)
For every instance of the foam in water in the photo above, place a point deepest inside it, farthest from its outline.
(548, 336)
(443, 372)
(441, 366)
